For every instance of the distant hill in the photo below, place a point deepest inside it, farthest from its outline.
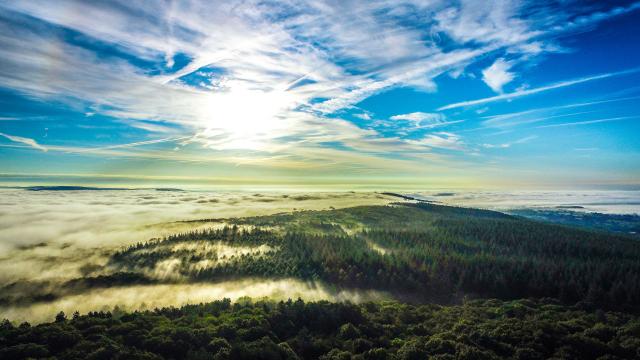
(88, 188)
(69, 188)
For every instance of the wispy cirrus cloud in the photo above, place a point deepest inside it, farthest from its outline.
(524, 117)
(23, 140)
(510, 144)
(419, 117)
(527, 92)
(441, 140)
(272, 79)
(587, 122)
(134, 144)
(422, 120)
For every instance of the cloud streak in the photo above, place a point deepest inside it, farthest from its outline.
(442, 140)
(527, 92)
(134, 144)
(509, 144)
(271, 83)
(23, 140)
(587, 122)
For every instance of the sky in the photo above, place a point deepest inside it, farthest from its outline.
(514, 94)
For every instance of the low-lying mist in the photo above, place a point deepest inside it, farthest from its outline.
(603, 201)
(191, 256)
(49, 237)
(152, 296)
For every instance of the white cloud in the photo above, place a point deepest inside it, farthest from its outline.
(497, 75)
(524, 117)
(587, 122)
(134, 144)
(419, 117)
(520, 93)
(422, 120)
(441, 140)
(541, 114)
(23, 140)
(485, 22)
(509, 144)
(594, 17)
(267, 71)
(363, 116)
(242, 39)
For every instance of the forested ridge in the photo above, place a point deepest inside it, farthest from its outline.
(480, 329)
(421, 252)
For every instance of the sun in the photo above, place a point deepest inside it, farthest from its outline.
(246, 119)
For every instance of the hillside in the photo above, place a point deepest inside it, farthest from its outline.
(415, 252)
(420, 252)
(583, 289)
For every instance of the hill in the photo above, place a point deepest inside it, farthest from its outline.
(416, 252)
(419, 252)
(582, 287)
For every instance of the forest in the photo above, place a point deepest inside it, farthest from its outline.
(479, 329)
(420, 252)
(467, 284)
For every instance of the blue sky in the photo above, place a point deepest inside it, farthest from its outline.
(430, 93)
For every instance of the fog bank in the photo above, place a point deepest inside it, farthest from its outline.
(152, 296)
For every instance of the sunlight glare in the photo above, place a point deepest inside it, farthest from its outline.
(245, 119)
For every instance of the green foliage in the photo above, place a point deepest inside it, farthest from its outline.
(420, 252)
(480, 329)
(583, 289)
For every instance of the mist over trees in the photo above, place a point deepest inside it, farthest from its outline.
(421, 252)
(469, 284)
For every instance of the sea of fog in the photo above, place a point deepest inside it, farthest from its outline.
(47, 237)
(602, 201)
